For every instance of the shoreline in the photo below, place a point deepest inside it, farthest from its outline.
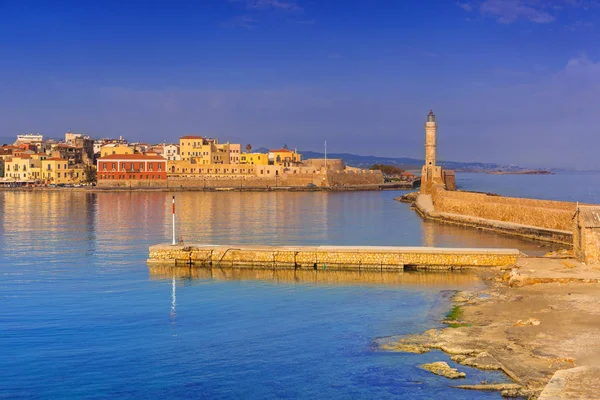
(537, 322)
(348, 188)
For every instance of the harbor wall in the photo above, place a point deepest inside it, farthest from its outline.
(319, 179)
(332, 257)
(544, 220)
(538, 213)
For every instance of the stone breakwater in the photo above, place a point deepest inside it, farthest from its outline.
(376, 258)
(544, 220)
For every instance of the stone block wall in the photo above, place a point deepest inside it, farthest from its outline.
(586, 245)
(245, 181)
(348, 178)
(548, 214)
(335, 258)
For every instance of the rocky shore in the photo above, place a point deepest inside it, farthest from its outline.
(539, 323)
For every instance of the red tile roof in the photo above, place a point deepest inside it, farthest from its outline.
(281, 151)
(55, 159)
(132, 157)
(192, 137)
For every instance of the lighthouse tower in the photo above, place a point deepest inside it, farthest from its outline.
(431, 173)
(430, 139)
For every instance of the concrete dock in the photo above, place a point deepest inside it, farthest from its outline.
(375, 258)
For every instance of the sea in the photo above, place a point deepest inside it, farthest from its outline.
(82, 316)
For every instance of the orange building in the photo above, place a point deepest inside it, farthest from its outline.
(131, 166)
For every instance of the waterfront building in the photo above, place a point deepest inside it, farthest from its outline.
(284, 157)
(73, 154)
(254, 158)
(83, 142)
(208, 151)
(171, 152)
(135, 167)
(192, 146)
(22, 168)
(55, 170)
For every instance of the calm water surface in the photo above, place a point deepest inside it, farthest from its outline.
(84, 317)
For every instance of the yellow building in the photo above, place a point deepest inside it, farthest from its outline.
(77, 174)
(191, 147)
(115, 148)
(25, 167)
(284, 157)
(17, 168)
(55, 170)
(254, 158)
(208, 151)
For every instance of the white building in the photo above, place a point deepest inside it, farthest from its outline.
(171, 152)
(30, 138)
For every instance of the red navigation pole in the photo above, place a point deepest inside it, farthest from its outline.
(174, 242)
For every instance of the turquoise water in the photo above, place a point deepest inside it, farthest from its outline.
(82, 315)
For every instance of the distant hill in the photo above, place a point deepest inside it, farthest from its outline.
(355, 160)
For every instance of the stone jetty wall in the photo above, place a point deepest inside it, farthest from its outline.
(548, 214)
(332, 257)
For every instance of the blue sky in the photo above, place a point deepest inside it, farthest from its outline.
(511, 81)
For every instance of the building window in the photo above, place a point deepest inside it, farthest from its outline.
(59, 174)
(58, 166)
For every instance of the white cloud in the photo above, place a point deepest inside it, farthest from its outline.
(538, 11)
(279, 5)
(508, 11)
(465, 6)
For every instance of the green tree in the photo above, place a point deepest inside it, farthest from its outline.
(248, 148)
(90, 174)
(387, 169)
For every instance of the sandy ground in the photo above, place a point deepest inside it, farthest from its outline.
(537, 319)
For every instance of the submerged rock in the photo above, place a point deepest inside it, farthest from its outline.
(458, 358)
(493, 387)
(461, 297)
(405, 347)
(443, 369)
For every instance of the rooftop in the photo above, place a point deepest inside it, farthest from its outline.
(132, 157)
(192, 137)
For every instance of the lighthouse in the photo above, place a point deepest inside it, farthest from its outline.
(431, 173)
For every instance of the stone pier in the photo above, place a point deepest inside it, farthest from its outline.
(374, 258)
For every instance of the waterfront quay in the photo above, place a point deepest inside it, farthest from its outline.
(374, 258)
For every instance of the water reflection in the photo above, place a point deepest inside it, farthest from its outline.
(326, 277)
(113, 224)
